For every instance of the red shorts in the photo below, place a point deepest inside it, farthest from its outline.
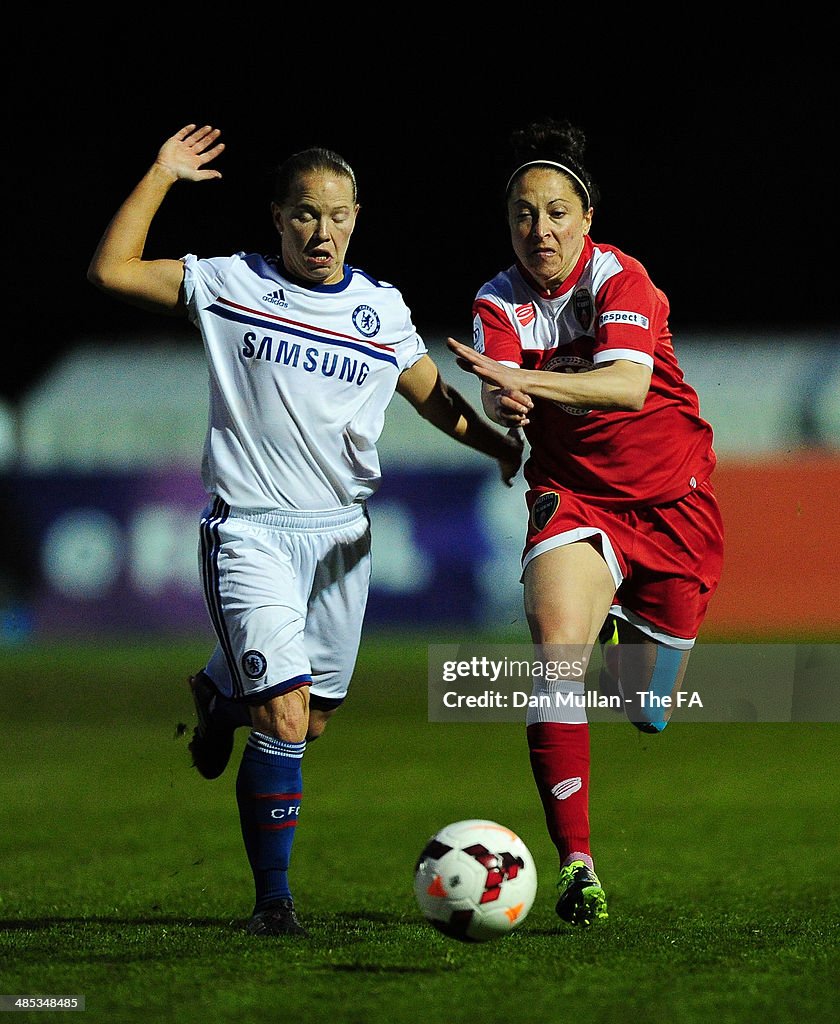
(665, 560)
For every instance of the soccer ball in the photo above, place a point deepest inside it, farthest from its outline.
(475, 880)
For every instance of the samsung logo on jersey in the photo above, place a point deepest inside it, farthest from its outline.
(310, 359)
(621, 316)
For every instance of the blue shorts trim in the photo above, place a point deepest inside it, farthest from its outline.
(267, 693)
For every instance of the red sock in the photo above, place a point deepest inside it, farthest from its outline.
(560, 763)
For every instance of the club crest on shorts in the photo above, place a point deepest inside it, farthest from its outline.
(254, 664)
(543, 509)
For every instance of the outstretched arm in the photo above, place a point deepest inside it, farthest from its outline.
(446, 409)
(118, 266)
(619, 385)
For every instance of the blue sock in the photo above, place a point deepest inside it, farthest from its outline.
(269, 787)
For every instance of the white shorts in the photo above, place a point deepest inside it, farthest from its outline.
(286, 592)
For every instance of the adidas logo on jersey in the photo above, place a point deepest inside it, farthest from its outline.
(276, 298)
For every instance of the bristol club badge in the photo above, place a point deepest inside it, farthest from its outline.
(543, 509)
(583, 307)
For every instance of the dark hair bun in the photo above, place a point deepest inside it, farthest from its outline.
(557, 141)
(548, 140)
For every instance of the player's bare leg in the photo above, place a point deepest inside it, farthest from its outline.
(568, 591)
(648, 676)
(318, 719)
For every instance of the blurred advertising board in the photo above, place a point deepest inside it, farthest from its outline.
(84, 554)
(90, 553)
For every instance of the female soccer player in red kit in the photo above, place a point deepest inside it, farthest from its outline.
(624, 537)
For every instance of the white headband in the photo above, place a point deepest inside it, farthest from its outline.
(551, 163)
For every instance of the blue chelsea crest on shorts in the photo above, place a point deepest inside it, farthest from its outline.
(254, 664)
(366, 321)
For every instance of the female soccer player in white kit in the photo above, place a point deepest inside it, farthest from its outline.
(304, 353)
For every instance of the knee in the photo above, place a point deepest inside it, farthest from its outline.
(549, 627)
(285, 717)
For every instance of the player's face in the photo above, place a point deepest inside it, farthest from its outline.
(547, 225)
(315, 224)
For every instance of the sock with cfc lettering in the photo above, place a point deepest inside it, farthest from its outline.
(269, 787)
(560, 764)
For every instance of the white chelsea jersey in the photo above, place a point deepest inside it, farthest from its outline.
(300, 378)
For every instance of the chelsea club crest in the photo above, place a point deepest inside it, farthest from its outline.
(254, 664)
(366, 321)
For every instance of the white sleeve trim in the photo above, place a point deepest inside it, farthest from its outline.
(608, 355)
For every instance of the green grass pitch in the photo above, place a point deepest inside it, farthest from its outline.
(121, 870)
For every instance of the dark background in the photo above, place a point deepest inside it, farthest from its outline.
(712, 148)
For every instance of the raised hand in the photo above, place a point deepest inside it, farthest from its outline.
(185, 154)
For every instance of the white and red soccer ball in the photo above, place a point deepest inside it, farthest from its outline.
(475, 880)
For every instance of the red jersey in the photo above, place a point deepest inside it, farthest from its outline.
(607, 309)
